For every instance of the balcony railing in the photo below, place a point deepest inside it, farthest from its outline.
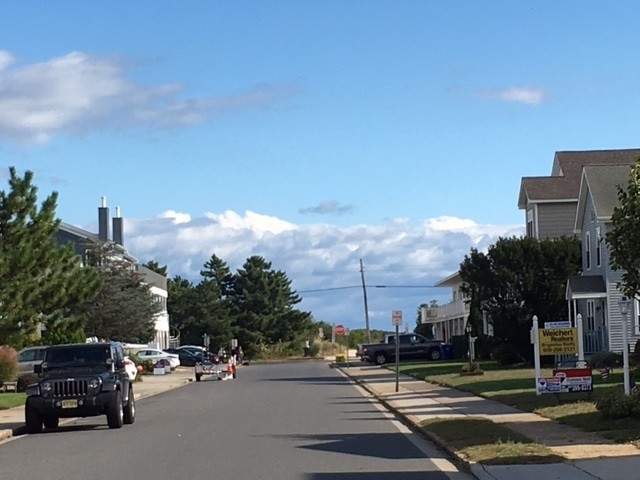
(451, 310)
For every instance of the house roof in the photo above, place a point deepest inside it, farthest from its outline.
(450, 280)
(601, 183)
(564, 182)
(585, 286)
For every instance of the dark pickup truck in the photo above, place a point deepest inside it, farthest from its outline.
(411, 346)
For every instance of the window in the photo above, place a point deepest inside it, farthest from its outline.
(636, 317)
(587, 253)
(598, 247)
(591, 315)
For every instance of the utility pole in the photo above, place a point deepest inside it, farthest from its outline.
(366, 308)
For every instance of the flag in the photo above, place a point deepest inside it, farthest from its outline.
(634, 388)
(605, 372)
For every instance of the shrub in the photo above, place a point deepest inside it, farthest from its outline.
(506, 355)
(25, 380)
(485, 345)
(617, 405)
(604, 359)
(8, 363)
(472, 368)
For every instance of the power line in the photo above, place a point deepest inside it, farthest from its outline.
(368, 286)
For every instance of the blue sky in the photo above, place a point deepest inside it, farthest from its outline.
(312, 133)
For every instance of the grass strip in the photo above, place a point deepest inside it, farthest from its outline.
(11, 399)
(480, 440)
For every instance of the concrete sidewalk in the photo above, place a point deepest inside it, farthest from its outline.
(589, 456)
(12, 419)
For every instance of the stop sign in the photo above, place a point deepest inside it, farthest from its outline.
(339, 329)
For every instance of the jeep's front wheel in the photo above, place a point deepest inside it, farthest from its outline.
(130, 409)
(32, 419)
(51, 422)
(115, 412)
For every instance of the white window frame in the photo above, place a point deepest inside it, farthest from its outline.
(598, 247)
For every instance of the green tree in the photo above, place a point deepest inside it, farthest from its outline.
(155, 267)
(622, 239)
(182, 306)
(264, 306)
(214, 301)
(40, 280)
(424, 329)
(518, 278)
(123, 309)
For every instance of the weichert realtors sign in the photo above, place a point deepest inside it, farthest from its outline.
(557, 341)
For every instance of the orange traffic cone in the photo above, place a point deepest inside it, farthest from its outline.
(229, 369)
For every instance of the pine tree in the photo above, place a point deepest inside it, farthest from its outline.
(40, 280)
(264, 304)
(123, 308)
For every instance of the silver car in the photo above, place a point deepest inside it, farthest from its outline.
(28, 357)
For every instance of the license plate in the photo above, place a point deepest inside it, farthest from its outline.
(69, 403)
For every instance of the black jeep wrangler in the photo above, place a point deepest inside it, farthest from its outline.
(80, 380)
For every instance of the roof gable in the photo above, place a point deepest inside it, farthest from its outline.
(600, 182)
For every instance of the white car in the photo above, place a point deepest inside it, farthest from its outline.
(131, 368)
(154, 355)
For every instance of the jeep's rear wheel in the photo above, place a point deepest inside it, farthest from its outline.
(130, 409)
(32, 419)
(380, 358)
(51, 422)
(115, 412)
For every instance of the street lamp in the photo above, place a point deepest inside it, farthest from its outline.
(468, 328)
(624, 312)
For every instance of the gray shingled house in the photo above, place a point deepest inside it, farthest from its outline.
(595, 294)
(550, 203)
(578, 199)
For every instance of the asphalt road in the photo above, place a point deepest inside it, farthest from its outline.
(294, 421)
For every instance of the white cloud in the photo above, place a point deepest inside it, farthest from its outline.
(176, 217)
(527, 95)
(399, 253)
(78, 92)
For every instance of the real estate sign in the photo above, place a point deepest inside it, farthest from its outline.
(557, 341)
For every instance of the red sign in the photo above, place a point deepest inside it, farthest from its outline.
(339, 329)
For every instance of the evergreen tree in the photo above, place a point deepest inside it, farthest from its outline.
(264, 305)
(123, 309)
(182, 306)
(623, 242)
(155, 267)
(215, 305)
(40, 280)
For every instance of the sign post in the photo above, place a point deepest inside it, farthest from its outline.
(396, 319)
(558, 338)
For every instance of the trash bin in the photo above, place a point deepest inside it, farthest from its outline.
(446, 351)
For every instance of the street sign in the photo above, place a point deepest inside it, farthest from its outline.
(339, 329)
(396, 317)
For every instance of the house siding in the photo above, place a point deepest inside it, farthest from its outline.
(555, 219)
(590, 226)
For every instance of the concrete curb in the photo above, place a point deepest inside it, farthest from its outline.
(412, 422)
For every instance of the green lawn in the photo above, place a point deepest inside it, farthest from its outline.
(11, 399)
(515, 387)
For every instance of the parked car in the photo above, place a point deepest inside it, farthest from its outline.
(187, 358)
(28, 357)
(131, 368)
(155, 355)
(195, 349)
